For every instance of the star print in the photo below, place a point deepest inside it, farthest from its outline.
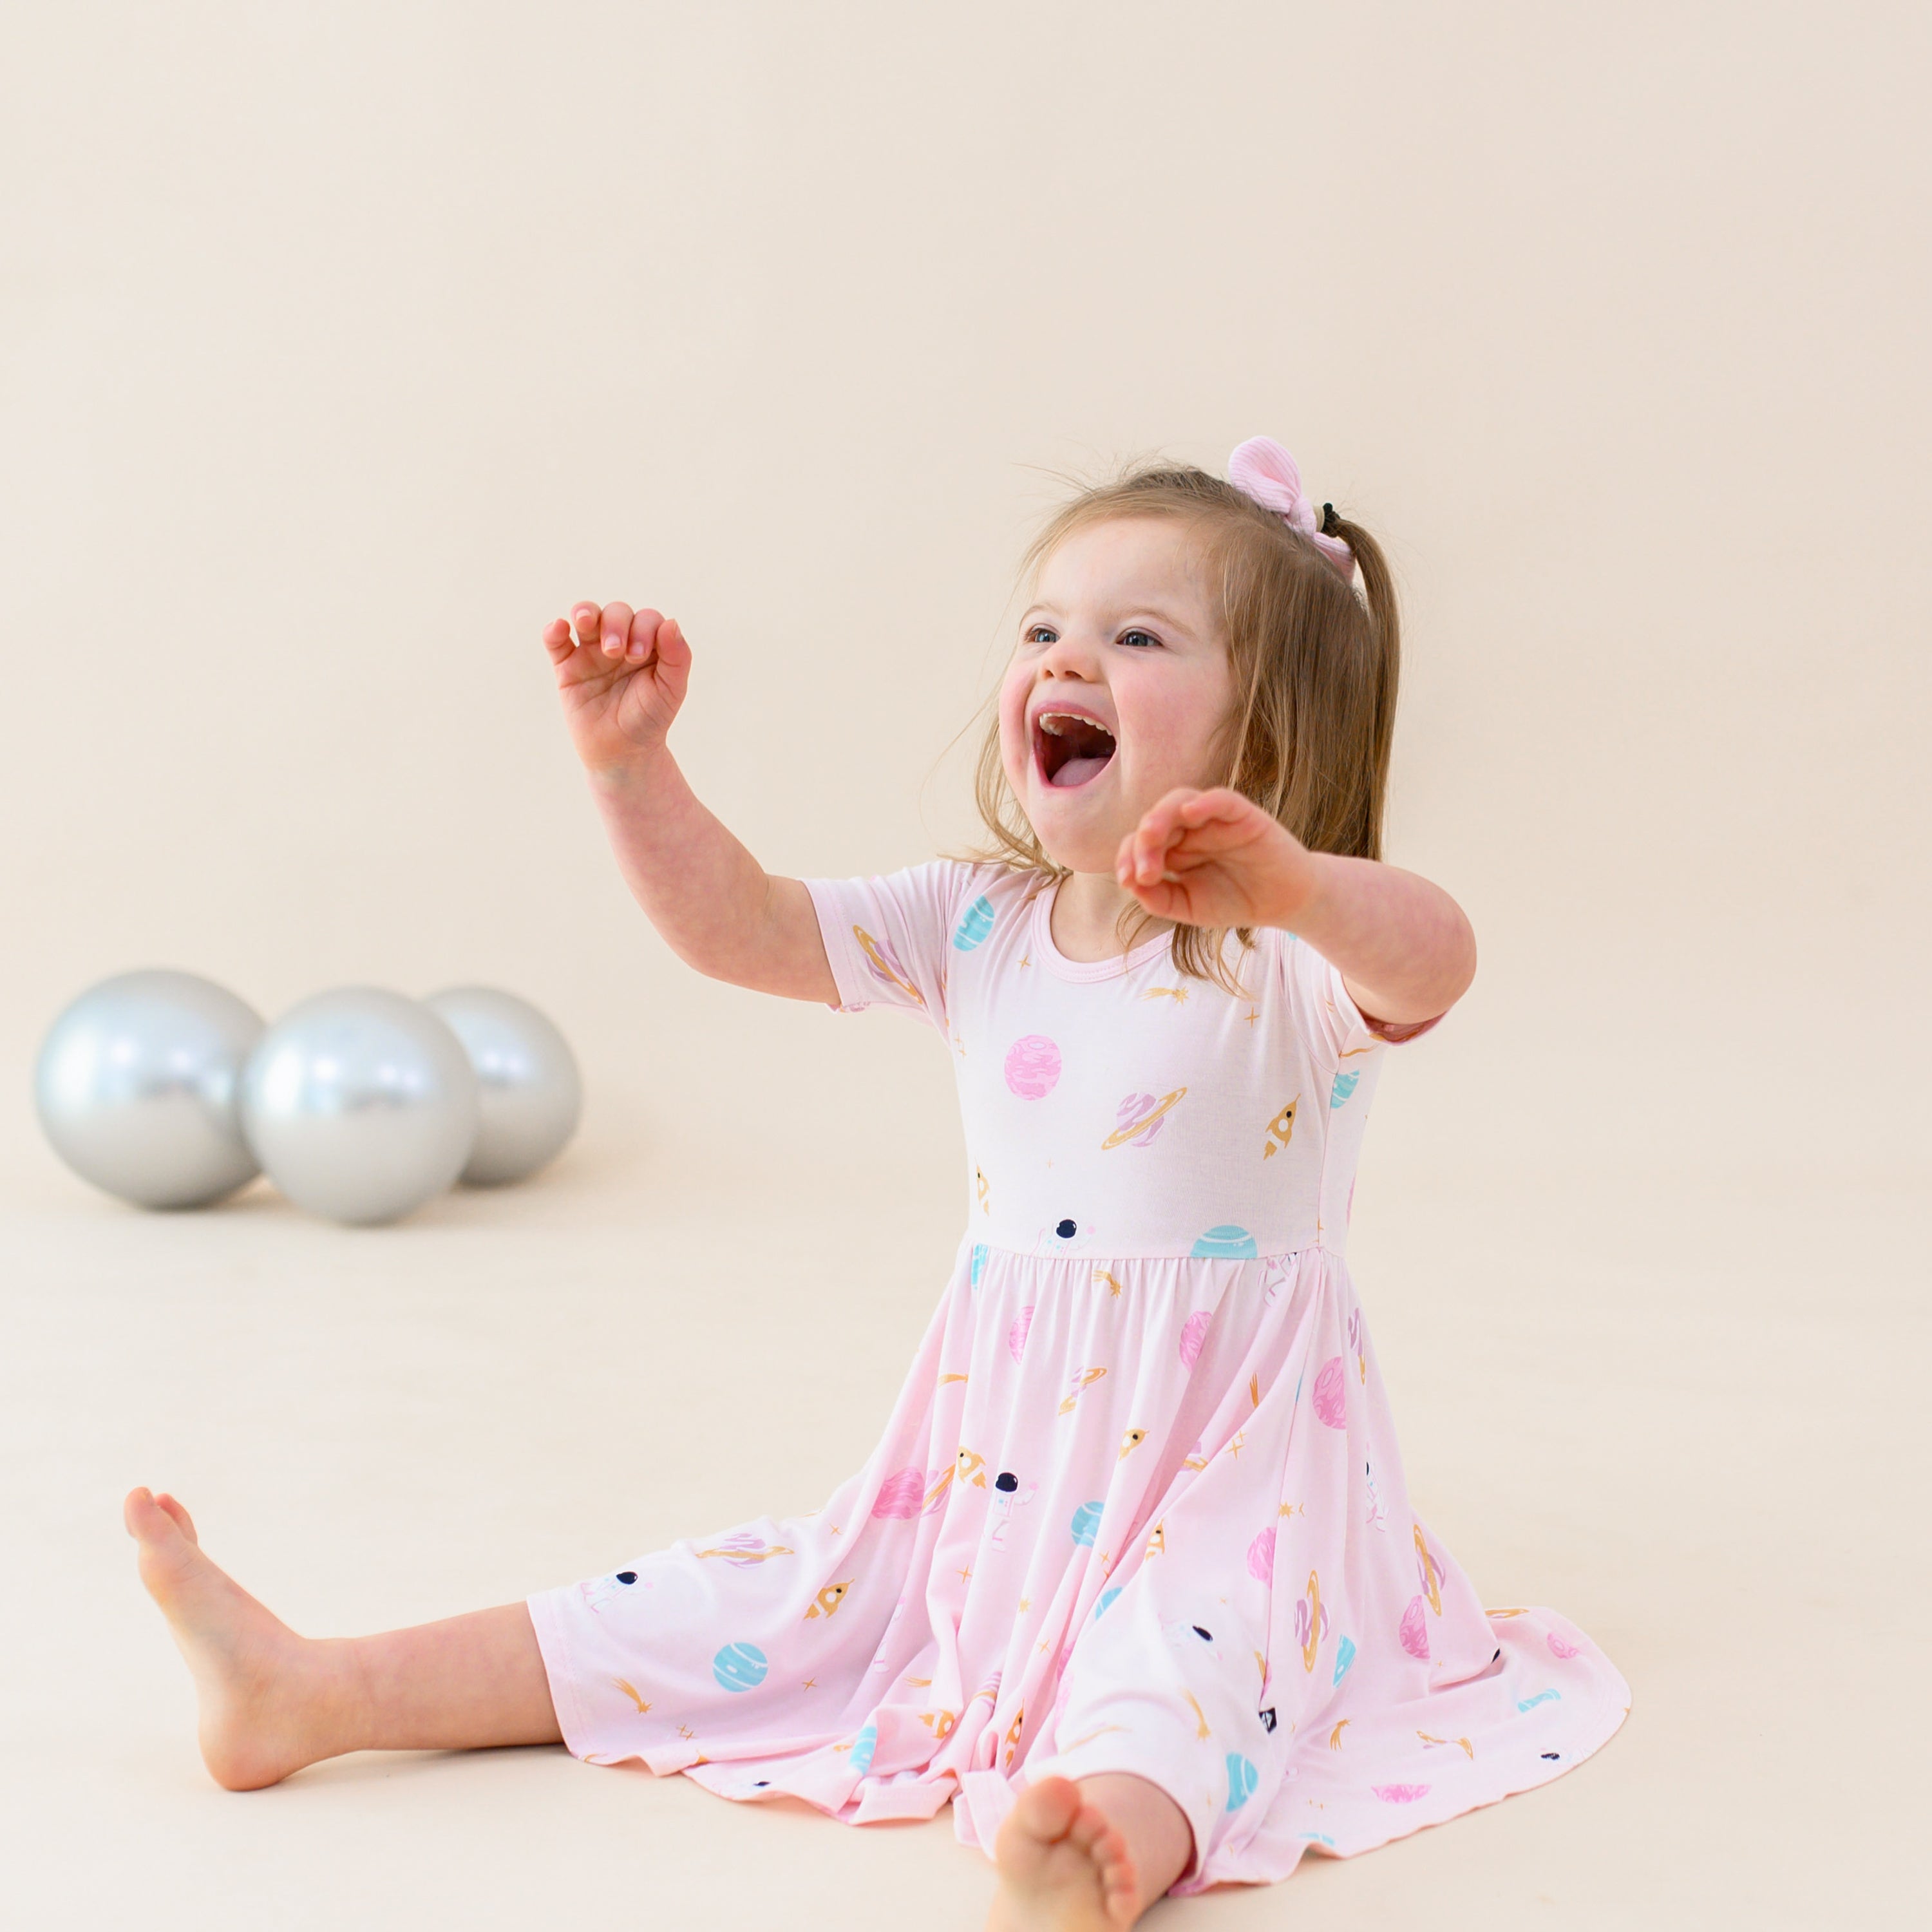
(1252, 1016)
(686, 1731)
(836, 1531)
(811, 1684)
(1026, 1604)
(966, 1574)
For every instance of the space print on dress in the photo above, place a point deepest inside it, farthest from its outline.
(1139, 1504)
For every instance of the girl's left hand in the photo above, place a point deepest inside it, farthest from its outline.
(1215, 858)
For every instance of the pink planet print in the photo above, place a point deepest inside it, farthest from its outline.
(1331, 1401)
(1560, 1647)
(1032, 1066)
(1400, 1794)
(1138, 1118)
(1193, 1335)
(1415, 1628)
(1017, 1334)
(1261, 1556)
(901, 1494)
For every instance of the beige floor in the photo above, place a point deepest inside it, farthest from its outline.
(1707, 1447)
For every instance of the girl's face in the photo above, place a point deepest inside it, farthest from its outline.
(1116, 686)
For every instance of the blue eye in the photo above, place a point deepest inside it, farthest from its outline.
(1147, 637)
(1034, 631)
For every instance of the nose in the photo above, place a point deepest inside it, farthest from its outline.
(1065, 657)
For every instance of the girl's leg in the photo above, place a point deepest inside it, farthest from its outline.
(1090, 1857)
(272, 1702)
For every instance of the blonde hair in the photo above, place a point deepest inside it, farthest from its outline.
(1315, 669)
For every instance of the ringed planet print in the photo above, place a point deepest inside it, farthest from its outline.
(1021, 1580)
(1141, 1116)
(882, 964)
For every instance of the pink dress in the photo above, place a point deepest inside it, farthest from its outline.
(1138, 1506)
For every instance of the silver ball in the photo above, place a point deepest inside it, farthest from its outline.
(532, 1096)
(135, 1088)
(360, 1104)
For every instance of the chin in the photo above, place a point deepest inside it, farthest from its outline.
(1080, 848)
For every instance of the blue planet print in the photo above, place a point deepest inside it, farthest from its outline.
(1106, 1596)
(977, 922)
(1226, 1243)
(1344, 1085)
(863, 1746)
(1242, 1779)
(1087, 1523)
(1541, 1697)
(740, 1666)
(980, 1251)
(1318, 1838)
(1344, 1655)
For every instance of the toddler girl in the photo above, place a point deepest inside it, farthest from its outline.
(1132, 1578)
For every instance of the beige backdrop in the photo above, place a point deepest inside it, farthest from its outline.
(341, 346)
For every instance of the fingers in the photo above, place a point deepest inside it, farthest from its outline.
(1145, 857)
(615, 632)
(616, 629)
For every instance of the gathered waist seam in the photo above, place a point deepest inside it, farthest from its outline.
(968, 1243)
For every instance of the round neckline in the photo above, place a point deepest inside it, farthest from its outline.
(1062, 967)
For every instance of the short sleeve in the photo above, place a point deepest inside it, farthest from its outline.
(886, 936)
(1324, 1013)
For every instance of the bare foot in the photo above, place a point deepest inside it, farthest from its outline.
(262, 1689)
(1063, 1868)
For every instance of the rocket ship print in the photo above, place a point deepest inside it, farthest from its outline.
(826, 1604)
(1281, 1129)
(1129, 1442)
(1012, 1738)
(972, 1468)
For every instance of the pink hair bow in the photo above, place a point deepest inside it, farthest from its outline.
(1261, 468)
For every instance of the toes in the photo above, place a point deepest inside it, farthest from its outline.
(183, 1521)
(1047, 1811)
(145, 1519)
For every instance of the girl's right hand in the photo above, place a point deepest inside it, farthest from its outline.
(622, 675)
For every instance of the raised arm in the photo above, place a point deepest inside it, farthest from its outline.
(1405, 950)
(621, 675)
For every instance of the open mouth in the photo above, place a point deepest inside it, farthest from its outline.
(1070, 748)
